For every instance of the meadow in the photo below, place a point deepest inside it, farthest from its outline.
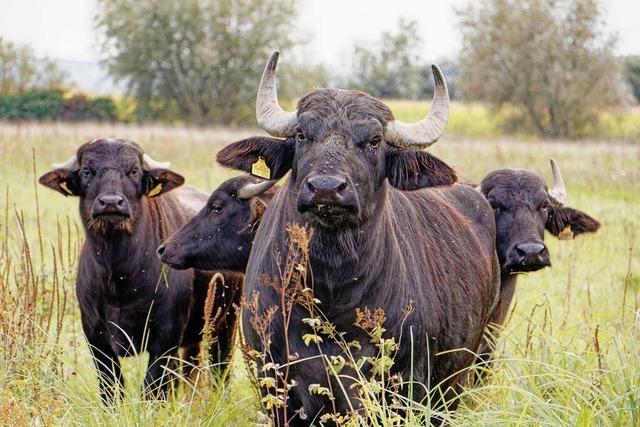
(568, 355)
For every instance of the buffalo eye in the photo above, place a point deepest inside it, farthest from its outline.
(217, 208)
(375, 141)
(301, 137)
(545, 207)
(134, 172)
(85, 171)
(496, 205)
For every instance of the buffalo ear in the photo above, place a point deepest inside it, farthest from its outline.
(63, 181)
(159, 181)
(268, 158)
(579, 222)
(411, 170)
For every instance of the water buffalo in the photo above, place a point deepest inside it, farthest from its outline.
(389, 229)
(220, 236)
(524, 207)
(127, 303)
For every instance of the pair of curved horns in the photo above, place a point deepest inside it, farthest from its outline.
(148, 163)
(558, 194)
(279, 123)
(251, 190)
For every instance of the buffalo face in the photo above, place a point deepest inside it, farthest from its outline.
(111, 177)
(341, 146)
(220, 236)
(524, 207)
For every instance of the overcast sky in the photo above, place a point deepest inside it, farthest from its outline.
(63, 29)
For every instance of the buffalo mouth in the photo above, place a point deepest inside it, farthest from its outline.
(111, 216)
(173, 260)
(525, 267)
(176, 264)
(329, 215)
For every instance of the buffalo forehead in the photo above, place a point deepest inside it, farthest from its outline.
(100, 151)
(512, 186)
(341, 107)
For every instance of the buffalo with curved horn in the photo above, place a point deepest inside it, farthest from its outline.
(390, 228)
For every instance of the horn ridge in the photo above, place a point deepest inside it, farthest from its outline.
(558, 194)
(428, 130)
(269, 114)
(251, 189)
(148, 163)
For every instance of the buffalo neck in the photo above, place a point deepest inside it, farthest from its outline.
(345, 262)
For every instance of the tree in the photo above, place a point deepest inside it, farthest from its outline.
(198, 60)
(21, 71)
(632, 74)
(394, 69)
(552, 59)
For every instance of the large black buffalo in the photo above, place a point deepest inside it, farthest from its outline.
(127, 303)
(524, 207)
(389, 229)
(220, 236)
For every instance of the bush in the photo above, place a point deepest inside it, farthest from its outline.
(52, 105)
(34, 105)
(102, 109)
(75, 108)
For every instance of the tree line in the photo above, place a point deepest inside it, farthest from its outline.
(550, 61)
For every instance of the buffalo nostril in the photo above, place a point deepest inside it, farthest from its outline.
(120, 202)
(326, 184)
(530, 249)
(161, 249)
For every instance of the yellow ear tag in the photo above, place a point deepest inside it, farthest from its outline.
(63, 185)
(156, 190)
(566, 234)
(260, 168)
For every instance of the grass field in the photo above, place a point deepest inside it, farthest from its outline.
(569, 355)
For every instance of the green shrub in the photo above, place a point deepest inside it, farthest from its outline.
(102, 109)
(41, 105)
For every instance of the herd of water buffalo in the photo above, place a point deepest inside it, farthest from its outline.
(391, 225)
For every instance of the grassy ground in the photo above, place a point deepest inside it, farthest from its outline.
(569, 355)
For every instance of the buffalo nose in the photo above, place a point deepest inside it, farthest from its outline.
(110, 200)
(160, 250)
(530, 250)
(326, 184)
(107, 204)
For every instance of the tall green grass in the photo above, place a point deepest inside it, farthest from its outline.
(569, 354)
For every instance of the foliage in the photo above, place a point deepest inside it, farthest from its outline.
(21, 71)
(391, 69)
(53, 105)
(545, 57)
(632, 74)
(198, 61)
(32, 105)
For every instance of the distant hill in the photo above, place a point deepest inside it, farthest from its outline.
(90, 77)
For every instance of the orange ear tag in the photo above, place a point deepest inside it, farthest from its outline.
(566, 234)
(156, 190)
(260, 168)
